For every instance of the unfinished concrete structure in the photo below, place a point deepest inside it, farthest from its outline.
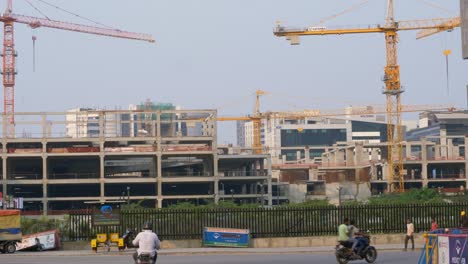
(51, 170)
(434, 162)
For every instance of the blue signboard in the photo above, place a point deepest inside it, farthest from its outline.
(106, 216)
(226, 237)
(453, 249)
(458, 248)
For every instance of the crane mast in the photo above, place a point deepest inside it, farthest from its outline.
(393, 93)
(9, 54)
(9, 69)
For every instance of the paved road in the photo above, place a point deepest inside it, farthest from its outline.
(384, 257)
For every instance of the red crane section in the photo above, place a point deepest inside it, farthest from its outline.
(9, 53)
(36, 22)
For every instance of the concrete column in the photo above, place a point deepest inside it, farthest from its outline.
(443, 143)
(424, 177)
(456, 152)
(375, 154)
(101, 177)
(101, 124)
(215, 158)
(325, 159)
(159, 178)
(158, 124)
(430, 153)
(313, 175)
(4, 159)
(466, 160)
(332, 158)
(450, 149)
(349, 157)
(408, 150)
(298, 155)
(437, 152)
(340, 157)
(307, 155)
(359, 157)
(385, 172)
(45, 178)
(216, 178)
(269, 183)
(4, 175)
(44, 125)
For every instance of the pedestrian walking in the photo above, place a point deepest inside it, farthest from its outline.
(409, 234)
(434, 225)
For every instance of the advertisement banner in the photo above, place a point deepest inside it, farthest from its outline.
(226, 237)
(458, 249)
(106, 216)
(45, 240)
(443, 247)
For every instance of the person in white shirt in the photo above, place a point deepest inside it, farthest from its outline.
(409, 234)
(147, 242)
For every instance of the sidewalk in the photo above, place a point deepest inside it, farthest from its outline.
(209, 251)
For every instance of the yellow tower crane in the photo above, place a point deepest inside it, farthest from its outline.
(393, 89)
(256, 119)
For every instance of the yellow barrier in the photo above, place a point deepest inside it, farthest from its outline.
(106, 241)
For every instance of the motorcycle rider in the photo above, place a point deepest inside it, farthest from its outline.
(147, 242)
(343, 231)
(352, 231)
(354, 235)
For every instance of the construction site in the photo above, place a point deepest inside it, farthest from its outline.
(159, 167)
(157, 154)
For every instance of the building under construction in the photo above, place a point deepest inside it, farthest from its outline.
(434, 156)
(52, 170)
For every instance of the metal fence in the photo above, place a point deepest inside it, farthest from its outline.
(276, 222)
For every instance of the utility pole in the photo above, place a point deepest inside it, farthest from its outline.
(224, 192)
(339, 195)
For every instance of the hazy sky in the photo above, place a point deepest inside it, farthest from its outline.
(216, 53)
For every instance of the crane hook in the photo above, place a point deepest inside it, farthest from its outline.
(447, 52)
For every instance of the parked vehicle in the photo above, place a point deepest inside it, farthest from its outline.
(128, 237)
(344, 253)
(10, 230)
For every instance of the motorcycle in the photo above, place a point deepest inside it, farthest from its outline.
(144, 258)
(344, 254)
(128, 237)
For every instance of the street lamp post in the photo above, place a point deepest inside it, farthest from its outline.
(339, 195)
(128, 195)
(224, 192)
(261, 193)
(278, 194)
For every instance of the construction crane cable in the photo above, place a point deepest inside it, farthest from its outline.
(234, 102)
(436, 6)
(74, 14)
(348, 10)
(37, 9)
